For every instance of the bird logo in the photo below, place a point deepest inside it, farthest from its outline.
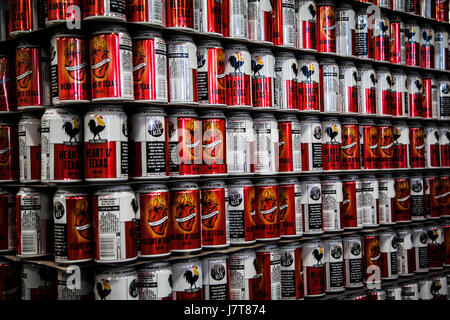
(23, 68)
(394, 243)
(387, 141)
(100, 59)
(318, 254)
(312, 10)
(317, 132)
(410, 33)
(83, 219)
(433, 235)
(355, 77)
(58, 210)
(336, 252)
(236, 61)
(133, 289)
(315, 193)
(445, 88)
(72, 129)
(234, 198)
(103, 289)
(268, 204)
(201, 61)
(185, 211)
(390, 81)
(436, 285)
(192, 275)
(397, 135)
(427, 35)
(139, 61)
(257, 65)
(218, 272)
(436, 135)
(384, 26)
(158, 214)
(307, 71)
(418, 84)
(373, 79)
(355, 249)
(210, 209)
(155, 128)
(332, 132)
(417, 186)
(96, 126)
(286, 259)
(76, 61)
(294, 68)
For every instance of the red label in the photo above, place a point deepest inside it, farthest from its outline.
(4, 223)
(371, 103)
(278, 36)
(214, 146)
(371, 254)
(214, 84)
(263, 281)
(427, 57)
(214, 16)
(351, 153)
(286, 194)
(434, 155)
(131, 239)
(309, 35)
(442, 10)
(105, 66)
(326, 33)
(79, 228)
(58, 9)
(417, 148)
(154, 223)
(214, 222)
(435, 192)
(249, 213)
(9, 153)
(180, 13)
(136, 154)
(285, 146)
(445, 155)
(398, 103)
(190, 144)
(331, 156)
(446, 230)
(100, 160)
(144, 69)
(349, 205)
(315, 279)
(68, 161)
(35, 162)
(291, 94)
(352, 99)
(395, 43)
(7, 84)
(185, 233)
(412, 53)
(262, 92)
(435, 257)
(21, 15)
(308, 94)
(402, 200)
(28, 77)
(385, 147)
(196, 295)
(381, 48)
(400, 159)
(370, 147)
(267, 212)
(427, 99)
(238, 90)
(93, 8)
(386, 102)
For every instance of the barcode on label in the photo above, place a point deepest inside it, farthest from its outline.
(29, 242)
(107, 246)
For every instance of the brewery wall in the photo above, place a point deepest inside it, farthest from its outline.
(224, 150)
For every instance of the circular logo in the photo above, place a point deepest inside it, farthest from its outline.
(317, 133)
(417, 186)
(58, 210)
(394, 243)
(423, 238)
(234, 198)
(355, 249)
(336, 252)
(133, 290)
(218, 272)
(155, 128)
(286, 259)
(315, 193)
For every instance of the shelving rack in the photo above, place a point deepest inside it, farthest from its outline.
(43, 36)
